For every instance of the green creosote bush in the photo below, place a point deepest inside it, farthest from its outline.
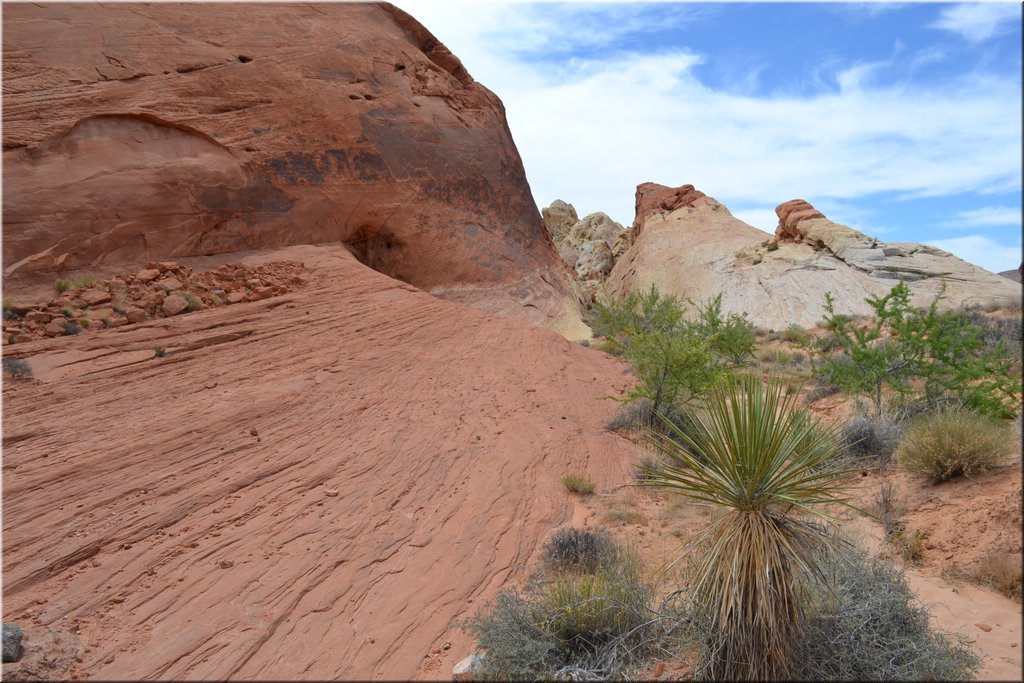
(941, 357)
(869, 626)
(578, 483)
(17, 368)
(954, 442)
(676, 360)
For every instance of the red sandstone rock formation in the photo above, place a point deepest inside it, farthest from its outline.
(143, 132)
(790, 214)
(318, 485)
(655, 198)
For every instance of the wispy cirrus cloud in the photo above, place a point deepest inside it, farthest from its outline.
(976, 22)
(983, 251)
(989, 216)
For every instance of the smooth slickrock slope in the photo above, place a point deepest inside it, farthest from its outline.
(140, 132)
(688, 244)
(367, 461)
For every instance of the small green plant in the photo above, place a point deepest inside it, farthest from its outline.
(61, 285)
(578, 483)
(9, 314)
(910, 543)
(70, 328)
(159, 352)
(954, 442)
(85, 322)
(17, 368)
(67, 312)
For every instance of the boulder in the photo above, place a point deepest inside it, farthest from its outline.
(135, 315)
(468, 668)
(594, 260)
(53, 330)
(95, 297)
(147, 275)
(12, 636)
(559, 219)
(596, 226)
(173, 305)
(372, 134)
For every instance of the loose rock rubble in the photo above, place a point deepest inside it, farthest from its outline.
(161, 290)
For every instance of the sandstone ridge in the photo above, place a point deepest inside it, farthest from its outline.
(688, 244)
(265, 125)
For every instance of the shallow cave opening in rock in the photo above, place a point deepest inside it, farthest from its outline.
(380, 249)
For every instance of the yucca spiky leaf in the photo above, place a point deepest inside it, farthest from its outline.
(771, 468)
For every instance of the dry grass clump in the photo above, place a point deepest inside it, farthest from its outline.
(578, 483)
(588, 615)
(1003, 572)
(865, 438)
(952, 443)
(623, 516)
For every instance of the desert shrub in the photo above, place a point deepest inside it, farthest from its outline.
(61, 285)
(865, 437)
(576, 626)
(939, 356)
(584, 611)
(953, 442)
(159, 352)
(585, 343)
(732, 336)
(869, 626)
(820, 388)
(17, 368)
(640, 416)
(888, 509)
(795, 335)
(641, 469)
(578, 483)
(1003, 572)
(70, 328)
(909, 543)
(8, 313)
(777, 356)
(676, 360)
(623, 516)
(769, 466)
(516, 650)
(85, 323)
(579, 550)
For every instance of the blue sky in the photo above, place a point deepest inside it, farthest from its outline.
(900, 120)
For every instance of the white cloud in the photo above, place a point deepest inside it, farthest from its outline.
(590, 130)
(982, 251)
(985, 217)
(976, 22)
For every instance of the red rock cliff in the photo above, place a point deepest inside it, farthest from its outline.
(138, 132)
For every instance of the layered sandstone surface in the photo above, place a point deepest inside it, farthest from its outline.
(137, 133)
(319, 484)
(688, 244)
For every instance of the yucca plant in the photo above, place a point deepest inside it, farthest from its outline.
(770, 469)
